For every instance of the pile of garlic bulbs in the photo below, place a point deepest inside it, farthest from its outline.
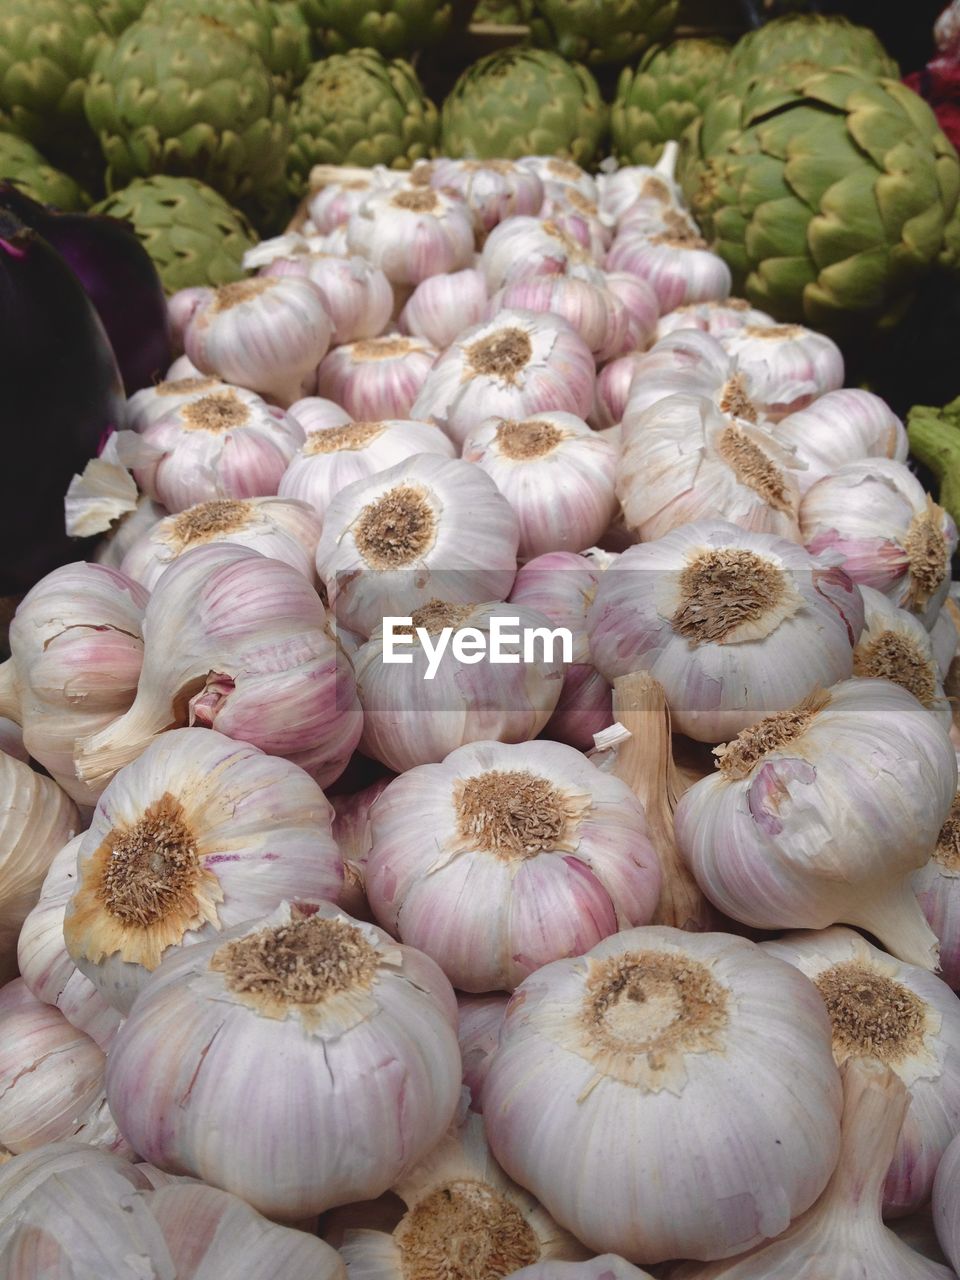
(490, 807)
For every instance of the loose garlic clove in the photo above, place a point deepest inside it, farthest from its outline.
(419, 712)
(894, 645)
(357, 296)
(351, 831)
(676, 263)
(641, 302)
(198, 834)
(656, 1041)
(534, 855)
(903, 1017)
(478, 1031)
(413, 233)
(429, 528)
(242, 644)
(684, 607)
(517, 365)
(282, 530)
(842, 426)
(819, 814)
(598, 314)
(150, 404)
(555, 472)
(492, 189)
(787, 365)
(377, 377)
(875, 519)
(613, 390)
(441, 307)
(937, 886)
(717, 318)
(343, 1039)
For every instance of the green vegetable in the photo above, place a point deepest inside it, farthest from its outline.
(935, 441)
(24, 165)
(808, 37)
(395, 28)
(600, 32)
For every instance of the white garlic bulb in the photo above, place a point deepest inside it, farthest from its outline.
(412, 233)
(126, 531)
(478, 1031)
(716, 317)
(641, 303)
(598, 314)
(842, 426)
(357, 295)
(946, 1203)
(492, 189)
(608, 1266)
(522, 246)
(818, 815)
(558, 170)
(894, 645)
(351, 831)
(377, 377)
(691, 362)
(314, 413)
(343, 192)
(301, 1061)
(675, 262)
(937, 886)
(787, 365)
(149, 404)
(441, 307)
(577, 217)
(622, 188)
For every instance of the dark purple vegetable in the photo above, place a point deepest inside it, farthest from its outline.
(119, 277)
(60, 396)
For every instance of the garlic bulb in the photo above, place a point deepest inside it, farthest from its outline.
(45, 964)
(903, 1017)
(314, 413)
(267, 334)
(198, 834)
(412, 233)
(419, 712)
(182, 367)
(894, 645)
(555, 472)
(557, 170)
(577, 217)
(945, 637)
(787, 365)
(937, 886)
(734, 625)
(463, 1217)
(11, 740)
(716, 317)
(691, 362)
(334, 457)
(599, 315)
(51, 1078)
(521, 247)
(682, 459)
(621, 189)
(150, 404)
(946, 1203)
(351, 831)
(819, 814)
(874, 517)
(654, 1040)
(377, 377)
(516, 366)
(650, 217)
(429, 528)
(342, 194)
(227, 444)
(842, 426)
(342, 1042)
(608, 1266)
(641, 302)
(239, 643)
(441, 307)
(534, 854)
(676, 263)
(76, 657)
(283, 530)
(613, 389)
(357, 296)
(126, 531)
(181, 308)
(492, 189)
(478, 1031)
(843, 1235)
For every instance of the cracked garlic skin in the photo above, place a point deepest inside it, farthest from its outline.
(660, 1043)
(301, 1061)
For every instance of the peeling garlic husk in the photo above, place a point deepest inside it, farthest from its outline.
(676, 264)
(126, 531)
(197, 835)
(357, 296)
(239, 643)
(658, 1041)
(534, 855)
(351, 831)
(412, 233)
(377, 377)
(352, 1056)
(412, 718)
(937, 886)
(689, 362)
(430, 528)
(463, 1216)
(478, 1032)
(819, 815)
(150, 404)
(894, 645)
(875, 519)
(843, 1235)
(441, 307)
(598, 314)
(523, 247)
(842, 426)
(734, 625)
(492, 189)
(714, 317)
(787, 365)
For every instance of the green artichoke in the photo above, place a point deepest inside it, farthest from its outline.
(935, 441)
(658, 100)
(808, 37)
(193, 236)
(190, 99)
(827, 192)
(522, 102)
(116, 15)
(395, 28)
(602, 32)
(503, 13)
(358, 109)
(23, 164)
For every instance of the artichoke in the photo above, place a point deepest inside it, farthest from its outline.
(116, 15)
(808, 37)
(395, 28)
(658, 100)
(601, 32)
(827, 193)
(503, 13)
(24, 165)
(522, 102)
(193, 236)
(190, 99)
(358, 109)
(935, 441)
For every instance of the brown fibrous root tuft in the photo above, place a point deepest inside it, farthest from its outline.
(894, 656)
(217, 412)
(396, 529)
(524, 441)
(738, 759)
(150, 868)
(723, 588)
(353, 435)
(207, 519)
(753, 468)
(503, 354)
(872, 1014)
(231, 295)
(927, 553)
(735, 400)
(947, 852)
(513, 813)
(465, 1230)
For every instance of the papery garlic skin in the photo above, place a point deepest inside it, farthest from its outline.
(691, 362)
(599, 315)
(788, 365)
(411, 234)
(181, 308)
(492, 189)
(842, 426)
(150, 404)
(907, 1019)
(517, 365)
(11, 740)
(555, 472)
(442, 306)
(357, 1084)
(267, 334)
(895, 645)
(621, 189)
(314, 413)
(357, 296)
(875, 519)
(126, 531)
(334, 203)
(679, 267)
(282, 530)
(198, 834)
(937, 886)
(945, 637)
(494, 896)
(653, 1034)
(642, 304)
(613, 390)
(946, 1203)
(377, 377)
(242, 644)
(478, 1031)
(819, 815)
(183, 367)
(412, 717)
(714, 317)
(608, 1266)
(559, 170)
(430, 528)
(351, 831)
(577, 217)
(684, 607)
(522, 247)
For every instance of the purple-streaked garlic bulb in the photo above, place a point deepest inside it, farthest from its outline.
(675, 262)
(377, 377)
(478, 1030)
(620, 191)
(788, 366)
(147, 406)
(441, 307)
(314, 413)
(522, 247)
(181, 308)
(895, 645)
(849, 425)
(338, 199)
(937, 886)
(492, 189)
(557, 170)
(351, 831)
(358, 296)
(612, 390)
(412, 233)
(577, 217)
(641, 303)
(716, 317)
(598, 314)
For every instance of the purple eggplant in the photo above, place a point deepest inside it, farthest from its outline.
(60, 396)
(119, 277)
